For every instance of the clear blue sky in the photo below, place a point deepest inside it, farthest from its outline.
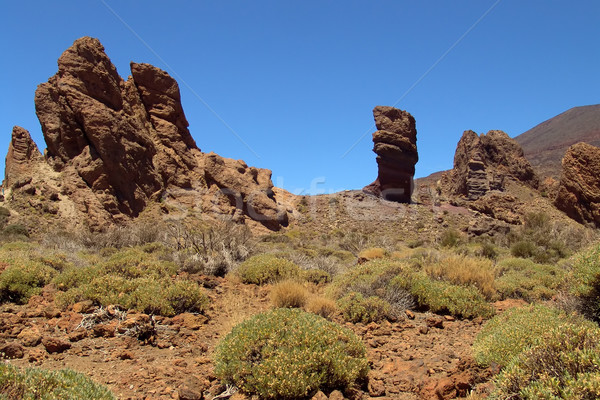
(297, 81)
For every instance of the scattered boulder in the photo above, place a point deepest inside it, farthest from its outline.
(12, 350)
(395, 144)
(579, 189)
(30, 337)
(484, 163)
(55, 345)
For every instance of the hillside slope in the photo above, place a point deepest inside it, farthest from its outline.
(545, 144)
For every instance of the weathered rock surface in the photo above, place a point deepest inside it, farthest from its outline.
(395, 144)
(115, 147)
(579, 189)
(483, 163)
(22, 151)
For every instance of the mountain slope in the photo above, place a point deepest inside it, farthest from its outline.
(546, 144)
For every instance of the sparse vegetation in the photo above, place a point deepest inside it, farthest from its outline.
(565, 364)
(465, 271)
(289, 354)
(522, 278)
(34, 383)
(443, 297)
(267, 268)
(508, 334)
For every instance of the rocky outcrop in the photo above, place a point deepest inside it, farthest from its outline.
(22, 153)
(395, 144)
(484, 163)
(579, 189)
(119, 146)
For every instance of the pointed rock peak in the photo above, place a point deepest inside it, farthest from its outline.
(395, 144)
(22, 151)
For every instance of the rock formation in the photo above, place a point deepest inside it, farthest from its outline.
(119, 146)
(579, 189)
(22, 152)
(395, 144)
(484, 163)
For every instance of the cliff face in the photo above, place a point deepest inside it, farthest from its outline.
(395, 144)
(579, 189)
(117, 146)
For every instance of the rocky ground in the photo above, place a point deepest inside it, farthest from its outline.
(420, 356)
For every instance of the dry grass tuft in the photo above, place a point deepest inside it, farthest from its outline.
(466, 271)
(372, 253)
(320, 305)
(289, 294)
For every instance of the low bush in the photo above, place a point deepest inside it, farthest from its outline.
(522, 278)
(323, 306)
(564, 365)
(585, 282)
(133, 279)
(523, 249)
(289, 294)
(23, 279)
(267, 268)
(357, 308)
(443, 297)
(466, 271)
(290, 354)
(508, 334)
(33, 384)
(450, 238)
(316, 276)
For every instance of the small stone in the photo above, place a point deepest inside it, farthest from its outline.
(449, 318)
(336, 395)
(424, 330)
(409, 314)
(83, 307)
(319, 396)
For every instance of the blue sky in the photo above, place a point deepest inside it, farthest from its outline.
(290, 86)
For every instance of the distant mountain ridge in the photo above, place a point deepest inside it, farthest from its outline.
(545, 144)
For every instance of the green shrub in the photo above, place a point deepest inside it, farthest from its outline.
(444, 297)
(289, 354)
(16, 230)
(135, 263)
(523, 249)
(267, 268)
(522, 278)
(508, 334)
(585, 282)
(23, 279)
(149, 295)
(357, 308)
(317, 276)
(34, 384)
(564, 365)
(369, 279)
(132, 279)
(450, 238)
